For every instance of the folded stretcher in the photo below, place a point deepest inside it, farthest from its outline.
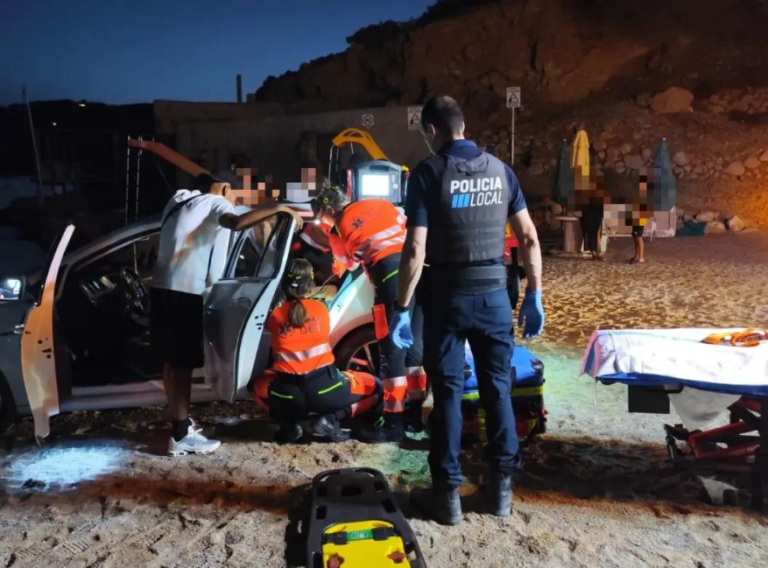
(701, 378)
(527, 396)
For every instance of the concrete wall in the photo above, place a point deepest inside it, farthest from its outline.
(169, 115)
(280, 146)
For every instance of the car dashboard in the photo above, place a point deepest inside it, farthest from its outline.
(95, 288)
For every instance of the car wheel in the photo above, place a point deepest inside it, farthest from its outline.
(7, 405)
(359, 352)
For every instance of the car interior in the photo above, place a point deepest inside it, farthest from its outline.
(102, 313)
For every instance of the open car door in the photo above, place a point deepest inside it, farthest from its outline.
(38, 358)
(237, 308)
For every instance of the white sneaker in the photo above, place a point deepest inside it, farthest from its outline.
(193, 443)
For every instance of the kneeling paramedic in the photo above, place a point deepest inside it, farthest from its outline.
(372, 232)
(305, 392)
(194, 237)
(458, 203)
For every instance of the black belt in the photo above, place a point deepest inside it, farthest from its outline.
(470, 273)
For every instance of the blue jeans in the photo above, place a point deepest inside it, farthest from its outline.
(485, 320)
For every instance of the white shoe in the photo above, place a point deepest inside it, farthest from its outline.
(193, 443)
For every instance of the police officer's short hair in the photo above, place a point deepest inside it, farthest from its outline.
(444, 113)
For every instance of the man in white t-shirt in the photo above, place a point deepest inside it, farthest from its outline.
(194, 241)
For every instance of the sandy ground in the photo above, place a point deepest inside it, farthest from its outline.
(597, 490)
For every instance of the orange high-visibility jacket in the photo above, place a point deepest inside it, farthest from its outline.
(369, 230)
(301, 351)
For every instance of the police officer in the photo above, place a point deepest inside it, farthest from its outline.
(458, 203)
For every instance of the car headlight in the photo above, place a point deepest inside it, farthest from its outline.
(10, 288)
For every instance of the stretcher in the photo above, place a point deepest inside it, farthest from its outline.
(527, 396)
(702, 373)
(355, 523)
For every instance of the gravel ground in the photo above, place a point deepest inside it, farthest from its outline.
(597, 489)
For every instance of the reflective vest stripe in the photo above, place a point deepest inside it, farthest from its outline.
(393, 383)
(381, 246)
(296, 356)
(313, 243)
(378, 242)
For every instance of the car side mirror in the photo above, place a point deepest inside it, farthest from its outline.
(12, 289)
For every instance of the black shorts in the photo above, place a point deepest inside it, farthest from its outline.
(638, 230)
(176, 328)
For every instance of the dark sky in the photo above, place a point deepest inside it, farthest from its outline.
(128, 51)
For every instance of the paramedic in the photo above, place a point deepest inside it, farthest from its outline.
(458, 204)
(372, 232)
(306, 381)
(194, 238)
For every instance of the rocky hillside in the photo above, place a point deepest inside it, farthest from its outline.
(596, 63)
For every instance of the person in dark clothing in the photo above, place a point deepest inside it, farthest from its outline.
(458, 204)
(590, 208)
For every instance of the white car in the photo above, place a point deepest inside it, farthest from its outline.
(75, 336)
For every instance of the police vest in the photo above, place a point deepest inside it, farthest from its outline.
(472, 211)
(300, 350)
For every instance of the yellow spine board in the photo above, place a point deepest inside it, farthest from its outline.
(365, 552)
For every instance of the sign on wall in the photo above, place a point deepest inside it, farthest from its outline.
(367, 120)
(414, 118)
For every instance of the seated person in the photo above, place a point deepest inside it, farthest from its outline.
(305, 390)
(313, 245)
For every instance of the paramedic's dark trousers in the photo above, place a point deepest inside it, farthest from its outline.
(393, 360)
(484, 319)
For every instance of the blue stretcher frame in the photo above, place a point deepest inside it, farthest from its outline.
(645, 380)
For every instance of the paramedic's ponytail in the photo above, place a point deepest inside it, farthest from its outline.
(297, 284)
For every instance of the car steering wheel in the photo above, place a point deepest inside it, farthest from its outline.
(134, 292)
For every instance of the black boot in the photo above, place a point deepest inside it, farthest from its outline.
(499, 494)
(441, 505)
(289, 433)
(389, 428)
(328, 427)
(413, 417)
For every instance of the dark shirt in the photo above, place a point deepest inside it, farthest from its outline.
(425, 184)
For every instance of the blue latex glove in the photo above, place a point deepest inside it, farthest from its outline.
(400, 330)
(531, 315)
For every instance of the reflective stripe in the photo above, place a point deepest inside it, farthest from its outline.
(329, 389)
(374, 242)
(380, 246)
(401, 218)
(303, 355)
(390, 275)
(393, 406)
(394, 382)
(386, 233)
(313, 243)
(278, 395)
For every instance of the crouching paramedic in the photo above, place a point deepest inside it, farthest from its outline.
(372, 232)
(305, 392)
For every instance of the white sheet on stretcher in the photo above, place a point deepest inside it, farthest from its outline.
(717, 374)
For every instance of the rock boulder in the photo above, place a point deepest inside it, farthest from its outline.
(672, 101)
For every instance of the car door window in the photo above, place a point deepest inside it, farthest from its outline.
(260, 249)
